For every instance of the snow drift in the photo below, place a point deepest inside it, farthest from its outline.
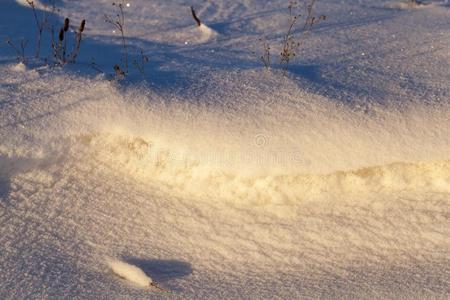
(242, 156)
(220, 179)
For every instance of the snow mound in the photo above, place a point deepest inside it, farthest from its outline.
(130, 272)
(330, 182)
(239, 155)
(207, 33)
(410, 5)
(194, 35)
(20, 68)
(149, 163)
(37, 4)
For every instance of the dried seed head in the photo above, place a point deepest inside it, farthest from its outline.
(118, 70)
(61, 34)
(66, 24)
(82, 25)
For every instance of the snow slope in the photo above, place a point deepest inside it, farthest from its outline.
(219, 179)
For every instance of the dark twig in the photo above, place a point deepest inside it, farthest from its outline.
(40, 25)
(194, 15)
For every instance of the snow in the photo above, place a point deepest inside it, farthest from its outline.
(20, 67)
(217, 178)
(206, 32)
(410, 5)
(130, 272)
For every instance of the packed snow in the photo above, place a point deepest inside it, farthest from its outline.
(208, 176)
(130, 272)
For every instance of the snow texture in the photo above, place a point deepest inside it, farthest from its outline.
(219, 179)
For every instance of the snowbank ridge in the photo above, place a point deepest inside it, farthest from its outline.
(321, 149)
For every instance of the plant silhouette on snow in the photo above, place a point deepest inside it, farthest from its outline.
(140, 63)
(293, 39)
(65, 29)
(96, 67)
(60, 49)
(119, 23)
(265, 56)
(20, 51)
(118, 71)
(416, 2)
(41, 23)
(291, 43)
(79, 33)
(194, 15)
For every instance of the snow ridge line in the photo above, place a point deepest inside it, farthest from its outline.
(145, 162)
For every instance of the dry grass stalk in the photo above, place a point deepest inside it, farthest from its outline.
(96, 67)
(293, 38)
(291, 43)
(60, 49)
(41, 23)
(265, 56)
(20, 50)
(79, 33)
(119, 23)
(140, 63)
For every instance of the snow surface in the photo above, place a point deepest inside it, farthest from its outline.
(130, 273)
(219, 179)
